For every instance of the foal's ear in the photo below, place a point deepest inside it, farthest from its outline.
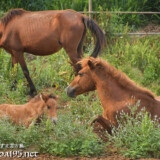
(94, 64)
(0, 34)
(57, 97)
(43, 97)
(90, 64)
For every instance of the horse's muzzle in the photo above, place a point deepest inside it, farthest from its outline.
(54, 120)
(70, 92)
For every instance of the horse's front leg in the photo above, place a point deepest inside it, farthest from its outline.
(20, 59)
(102, 124)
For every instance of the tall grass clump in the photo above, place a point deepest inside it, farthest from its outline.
(53, 70)
(141, 54)
(71, 138)
(46, 72)
(86, 107)
(68, 138)
(137, 136)
(13, 134)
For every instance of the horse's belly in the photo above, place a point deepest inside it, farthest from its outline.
(41, 49)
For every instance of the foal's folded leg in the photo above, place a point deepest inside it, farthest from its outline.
(100, 126)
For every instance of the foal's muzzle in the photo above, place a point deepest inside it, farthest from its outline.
(54, 120)
(70, 92)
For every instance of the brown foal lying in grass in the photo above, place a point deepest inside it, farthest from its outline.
(24, 114)
(115, 89)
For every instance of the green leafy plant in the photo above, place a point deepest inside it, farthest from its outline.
(137, 136)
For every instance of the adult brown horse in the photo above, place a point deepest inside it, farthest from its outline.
(46, 32)
(115, 89)
(33, 110)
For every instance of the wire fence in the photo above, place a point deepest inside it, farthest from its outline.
(126, 12)
(120, 12)
(137, 34)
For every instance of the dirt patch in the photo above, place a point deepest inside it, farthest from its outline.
(49, 157)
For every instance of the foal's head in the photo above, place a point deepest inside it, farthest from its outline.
(50, 106)
(83, 82)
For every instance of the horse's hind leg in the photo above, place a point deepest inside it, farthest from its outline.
(80, 45)
(74, 59)
(72, 43)
(20, 59)
(14, 61)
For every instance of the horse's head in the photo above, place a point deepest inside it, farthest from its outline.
(50, 107)
(83, 82)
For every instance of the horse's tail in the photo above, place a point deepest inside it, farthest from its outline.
(98, 33)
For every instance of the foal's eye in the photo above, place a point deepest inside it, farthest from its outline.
(48, 107)
(80, 74)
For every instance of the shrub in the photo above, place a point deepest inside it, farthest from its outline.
(67, 138)
(137, 136)
(71, 138)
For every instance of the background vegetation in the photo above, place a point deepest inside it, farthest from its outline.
(82, 5)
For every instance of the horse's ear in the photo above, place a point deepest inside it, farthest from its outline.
(43, 97)
(0, 34)
(90, 64)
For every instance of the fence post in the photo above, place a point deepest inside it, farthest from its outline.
(90, 8)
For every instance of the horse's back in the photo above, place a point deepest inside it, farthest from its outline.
(3, 110)
(44, 20)
(32, 32)
(3, 107)
(11, 108)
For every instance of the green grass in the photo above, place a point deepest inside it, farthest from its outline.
(72, 136)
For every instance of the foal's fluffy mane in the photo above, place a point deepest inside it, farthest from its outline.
(35, 99)
(121, 78)
(38, 97)
(11, 14)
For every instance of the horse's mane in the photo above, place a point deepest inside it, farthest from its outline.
(11, 14)
(38, 97)
(121, 78)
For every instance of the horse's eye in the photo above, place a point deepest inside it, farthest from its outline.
(48, 107)
(80, 74)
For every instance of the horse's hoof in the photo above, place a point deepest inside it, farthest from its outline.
(54, 86)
